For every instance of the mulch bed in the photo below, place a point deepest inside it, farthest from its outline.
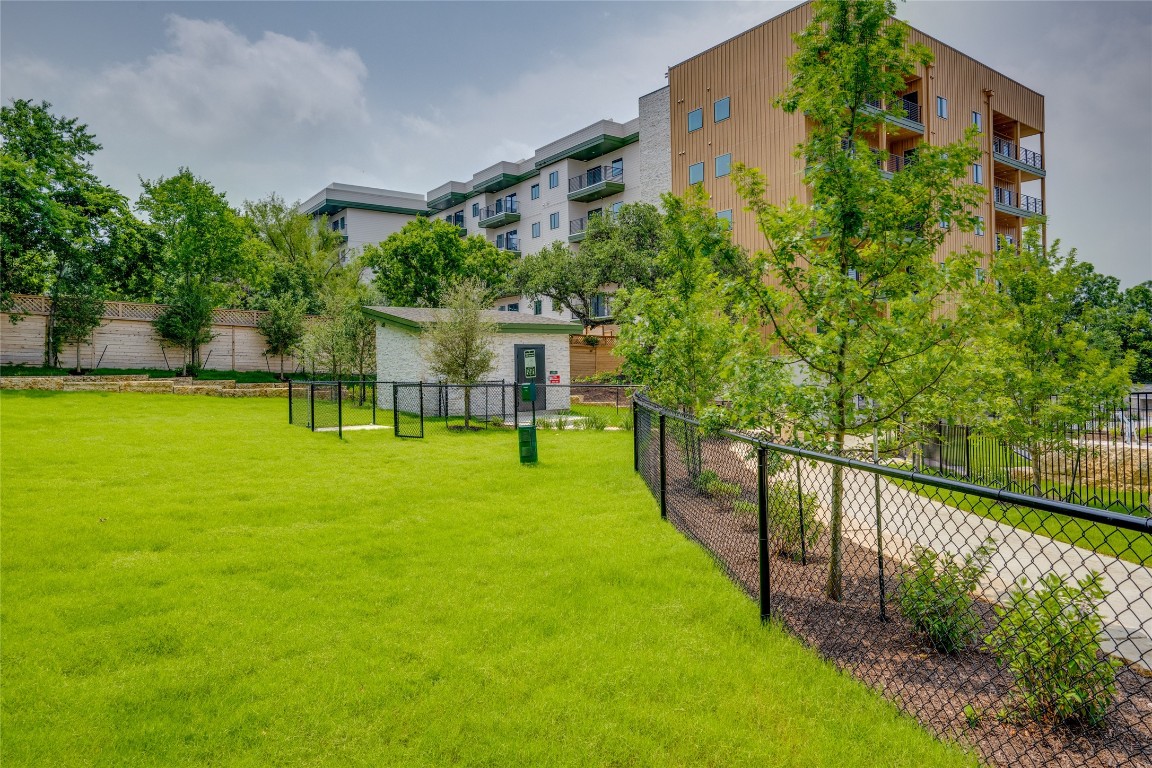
(888, 655)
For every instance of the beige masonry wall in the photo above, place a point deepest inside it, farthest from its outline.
(126, 339)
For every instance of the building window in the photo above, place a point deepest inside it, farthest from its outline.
(475, 210)
(618, 168)
(615, 208)
(721, 109)
(554, 220)
(514, 307)
(853, 274)
(538, 307)
(979, 275)
(553, 179)
(727, 217)
(696, 173)
(980, 226)
(977, 173)
(535, 191)
(695, 120)
(535, 229)
(978, 121)
(500, 240)
(942, 107)
(723, 164)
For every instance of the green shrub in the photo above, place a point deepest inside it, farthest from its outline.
(626, 421)
(594, 421)
(561, 422)
(745, 509)
(710, 484)
(936, 596)
(784, 516)
(1049, 638)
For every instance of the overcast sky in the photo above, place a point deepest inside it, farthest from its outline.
(268, 96)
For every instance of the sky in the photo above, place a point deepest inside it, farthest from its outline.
(287, 97)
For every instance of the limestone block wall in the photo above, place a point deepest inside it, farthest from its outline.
(126, 339)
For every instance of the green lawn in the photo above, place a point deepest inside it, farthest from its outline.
(192, 581)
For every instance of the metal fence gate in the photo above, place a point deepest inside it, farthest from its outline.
(408, 410)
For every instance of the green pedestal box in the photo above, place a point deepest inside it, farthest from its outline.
(527, 435)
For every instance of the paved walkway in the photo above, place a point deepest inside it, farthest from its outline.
(911, 519)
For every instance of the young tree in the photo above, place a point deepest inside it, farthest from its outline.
(618, 250)
(850, 285)
(282, 326)
(76, 317)
(413, 267)
(201, 264)
(1047, 372)
(459, 347)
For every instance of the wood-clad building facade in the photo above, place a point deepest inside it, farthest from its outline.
(721, 112)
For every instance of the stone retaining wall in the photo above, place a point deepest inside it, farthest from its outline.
(135, 383)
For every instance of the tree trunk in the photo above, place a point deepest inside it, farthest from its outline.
(467, 405)
(1034, 459)
(78, 357)
(835, 589)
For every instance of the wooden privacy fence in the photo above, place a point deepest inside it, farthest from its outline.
(126, 339)
(588, 359)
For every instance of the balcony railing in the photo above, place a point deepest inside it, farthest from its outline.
(1014, 199)
(511, 243)
(501, 206)
(911, 108)
(1012, 151)
(596, 183)
(576, 229)
(1005, 239)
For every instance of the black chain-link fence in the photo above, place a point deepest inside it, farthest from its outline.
(414, 409)
(1103, 462)
(1018, 625)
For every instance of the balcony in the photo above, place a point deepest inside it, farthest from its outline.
(890, 164)
(1014, 156)
(596, 183)
(1015, 204)
(910, 123)
(503, 211)
(509, 243)
(576, 229)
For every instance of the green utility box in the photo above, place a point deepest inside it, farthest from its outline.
(528, 392)
(527, 434)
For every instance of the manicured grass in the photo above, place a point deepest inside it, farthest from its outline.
(192, 581)
(1105, 539)
(247, 377)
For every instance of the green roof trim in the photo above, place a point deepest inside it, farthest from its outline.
(331, 206)
(501, 181)
(447, 200)
(388, 319)
(590, 148)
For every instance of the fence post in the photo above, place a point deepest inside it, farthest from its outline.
(420, 387)
(339, 409)
(663, 474)
(289, 401)
(800, 506)
(312, 405)
(762, 554)
(373, 403)
(395, 409)
(879, 523)
(635, 438)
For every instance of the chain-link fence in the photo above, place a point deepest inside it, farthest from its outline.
(333, 406)
(1021, 626)
(1103, 462)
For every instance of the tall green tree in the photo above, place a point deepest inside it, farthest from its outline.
(296, 255)
(460, 346)
(1045, 370)
(282, 326)
(55, 219)
(415, 266)
(850, 285)
(201, 264)
(619, 250)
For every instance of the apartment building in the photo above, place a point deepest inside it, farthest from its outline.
(721, 111)
(715, 111)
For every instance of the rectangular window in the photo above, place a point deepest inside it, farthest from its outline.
(500, 240)
(535, 191)
(979, 275)
(475, 210)
(696, 173)
(726, 216)
(618, 168)
(721, 109)
(554, 221)
(535, 229)
(980, 226)
(615, 208)
(977, 173)
(553, 179)
(514, 307)
(695, 120)
(978, 121)
(723, 164)
(538, 307)
(942, 107)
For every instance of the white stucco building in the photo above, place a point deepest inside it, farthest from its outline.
(524, 205)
